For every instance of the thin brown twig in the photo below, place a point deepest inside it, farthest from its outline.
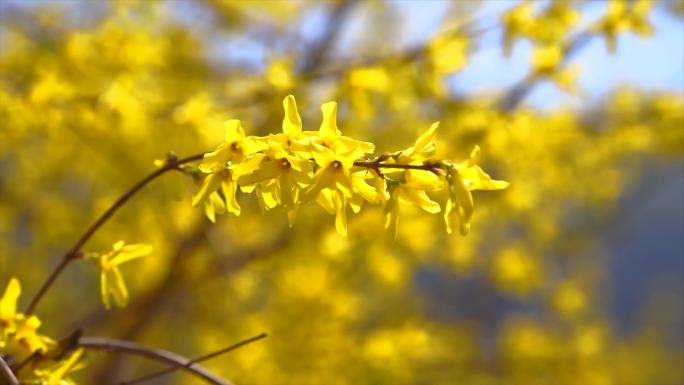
(205, 357)
(119, 346)
(434, 168)
(75, 252)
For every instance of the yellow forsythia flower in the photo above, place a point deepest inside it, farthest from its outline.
(111, 279)
(463, 178)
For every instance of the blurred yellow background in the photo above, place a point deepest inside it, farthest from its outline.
(573, 275)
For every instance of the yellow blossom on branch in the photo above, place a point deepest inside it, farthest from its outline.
(111, 280)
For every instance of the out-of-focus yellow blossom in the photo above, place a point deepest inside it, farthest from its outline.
(373, 78)
(569, 299)
(279, 74)
(111, 280)
(546, 59)
(517, 22)
(517, 272)
(622, 16)
(448, 53)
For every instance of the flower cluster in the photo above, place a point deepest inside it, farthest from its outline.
(20, 342)
(337, 172)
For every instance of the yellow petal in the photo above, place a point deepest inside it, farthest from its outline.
(329, 124)
(209, 185)
(104, 289)
(229, 189)
(267, 170)
(234, 131)
(325, 200)
(117, 287)
(420, 199)
(292, 122)
(130, 252)
(8, 303)
(425, 146)
(392, 214)
(340, 214)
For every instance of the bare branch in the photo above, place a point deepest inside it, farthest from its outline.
(518, 92)
(7, 372)
(75, 252)
(319, 51)
(196, 360)
(119, 346)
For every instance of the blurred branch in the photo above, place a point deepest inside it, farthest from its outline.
(119, 346)
(518, 92)
(196, 360)
(74, 253)
(7, 372)
(319, 50)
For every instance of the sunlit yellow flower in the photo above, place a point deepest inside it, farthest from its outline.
(413, 187)
(329, 136)
(463, 178)
(111, 279)
(236, 148)
(280, 177)
(209, 197)
(279, 74)
(334, 176)
(16, 326)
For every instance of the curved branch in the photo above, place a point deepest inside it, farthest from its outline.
(172, 163)
(196, 360)
(7, 373)
(165, 356)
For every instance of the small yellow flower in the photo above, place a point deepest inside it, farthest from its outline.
(463, 178)
(56, 374)
(236, 148)
(16, 326)
(333, 175)
(111, 279)
(210, 199)
(329, 136)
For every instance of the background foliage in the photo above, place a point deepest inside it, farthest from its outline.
(92, 93)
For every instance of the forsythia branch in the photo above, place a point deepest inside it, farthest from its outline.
(195, 361)
(119, 346)
(74, 253)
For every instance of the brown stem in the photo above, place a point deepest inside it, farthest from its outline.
(7, 373)
(374, 165)
(162, 372)
(112, 345)
(75, 252)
